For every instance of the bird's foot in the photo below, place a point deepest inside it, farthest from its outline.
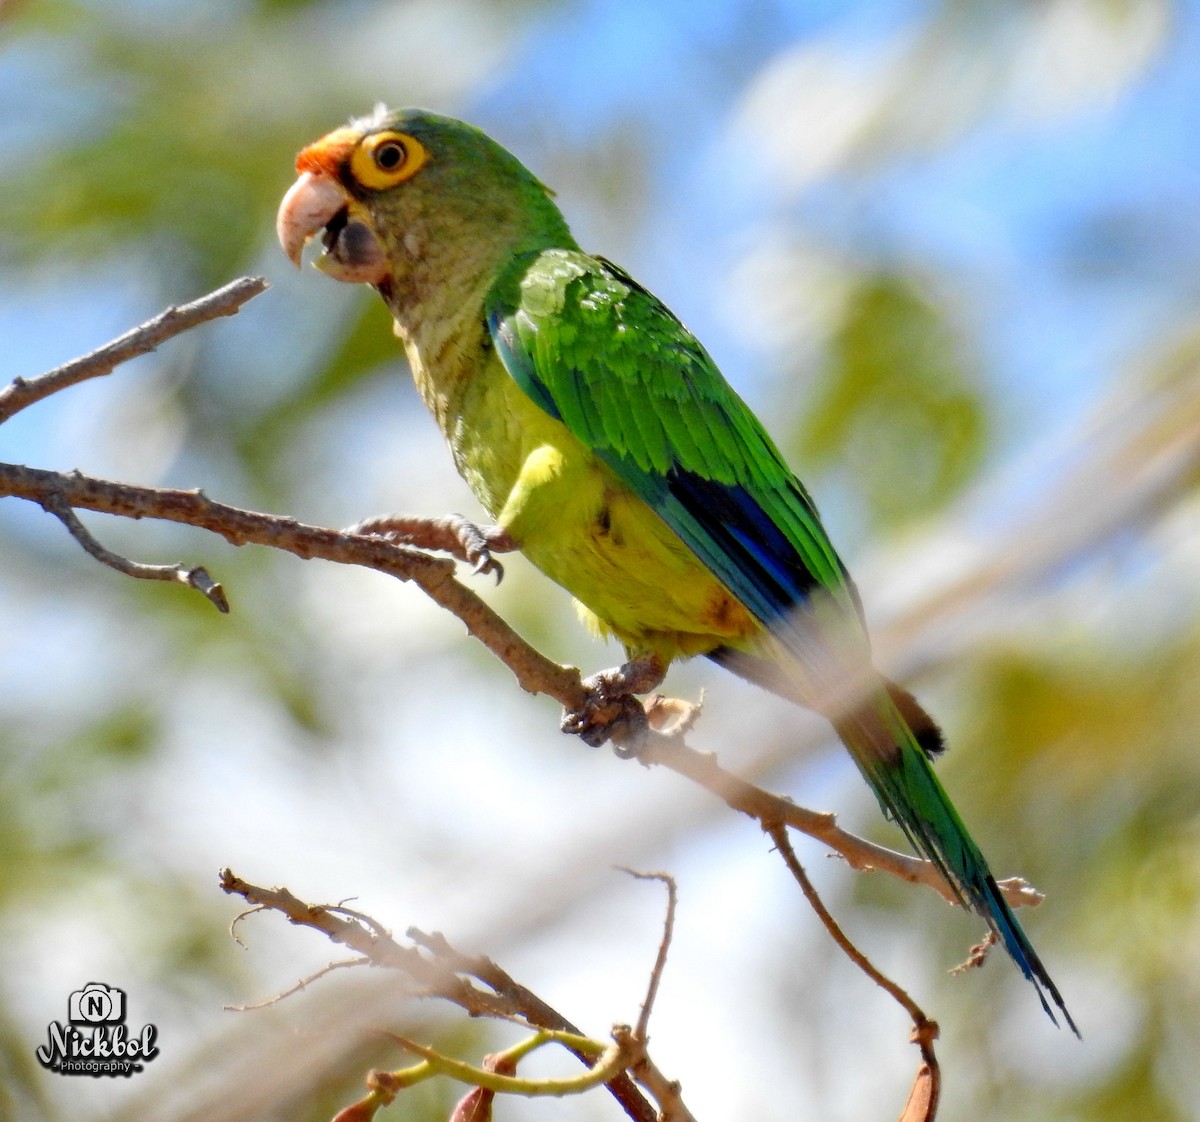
(474, 545)
(612, 710)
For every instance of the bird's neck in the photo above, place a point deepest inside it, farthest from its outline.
(440, 290)
(443, 340)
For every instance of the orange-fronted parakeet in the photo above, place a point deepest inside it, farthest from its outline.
(606, 445)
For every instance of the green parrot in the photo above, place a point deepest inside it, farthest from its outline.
(602, 439)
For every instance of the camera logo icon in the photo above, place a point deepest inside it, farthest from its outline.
(96, 1004)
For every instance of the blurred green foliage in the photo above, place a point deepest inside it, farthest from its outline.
(897, 406)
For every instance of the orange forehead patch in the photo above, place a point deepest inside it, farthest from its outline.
(326, 156)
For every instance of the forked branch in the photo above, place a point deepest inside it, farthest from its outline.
(62, 493)
(435, 969)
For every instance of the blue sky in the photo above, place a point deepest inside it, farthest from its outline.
(1083, 229)
(1081, 232)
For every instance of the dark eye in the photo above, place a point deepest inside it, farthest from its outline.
(384, 160)
(390, 155)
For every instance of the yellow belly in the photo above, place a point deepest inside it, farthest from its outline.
(572, 516)
(577, 522)
(632, 576)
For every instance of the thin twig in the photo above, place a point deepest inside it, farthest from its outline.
(23, 392)
(664, 1091)
(1171, 456)
(434, 575)
(640, 1031)
(778, 834)
(303, 984)
(671, 752)
(195, 577)
(380, 950)
(1156, 477)
(926, 1088)
(234, 923)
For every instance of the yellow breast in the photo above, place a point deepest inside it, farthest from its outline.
(577, 522)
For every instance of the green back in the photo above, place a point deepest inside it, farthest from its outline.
(609, 360)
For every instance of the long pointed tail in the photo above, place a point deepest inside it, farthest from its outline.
(890, 738)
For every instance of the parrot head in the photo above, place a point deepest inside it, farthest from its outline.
(406, 199)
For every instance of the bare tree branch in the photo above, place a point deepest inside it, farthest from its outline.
(784, 846)
(196, 577)
(23, 392)
(923, 1099)
(534, 672)
(439, 972)
(1164, 442)
(641, 1031)
(1150, 455)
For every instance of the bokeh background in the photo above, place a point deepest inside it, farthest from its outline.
(949, 249)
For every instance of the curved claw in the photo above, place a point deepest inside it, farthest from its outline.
(453, 534)
(486, 563)
(473, 546)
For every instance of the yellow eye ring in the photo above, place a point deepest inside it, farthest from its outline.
(387, 158)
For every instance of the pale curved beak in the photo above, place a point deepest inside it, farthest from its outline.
(310, 204)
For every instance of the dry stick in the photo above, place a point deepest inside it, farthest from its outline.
(778, 834)
(532, 1009)
(640, 1032)
(196, 577)
(534, 672)
(23, 392)
(241, 527)
(379, 950)
(302, 984)
(738, 794)
(439, 974)
(636, 1042)
(923, 1100)
(524, 1003)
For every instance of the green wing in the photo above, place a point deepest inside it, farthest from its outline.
(606, 358)
(609, 360)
